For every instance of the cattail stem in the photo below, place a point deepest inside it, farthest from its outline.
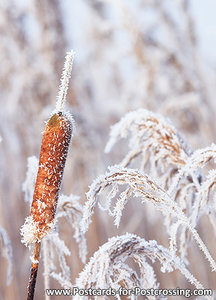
(34, 270)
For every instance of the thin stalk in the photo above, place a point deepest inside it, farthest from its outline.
(66, 74)
(34, 270)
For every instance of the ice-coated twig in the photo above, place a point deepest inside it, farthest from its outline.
(6, 251)
(65, 77)
(70, 208)
(57, 247)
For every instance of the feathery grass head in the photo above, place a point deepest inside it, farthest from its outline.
(108, 267)
(149, 134)
(140, 185)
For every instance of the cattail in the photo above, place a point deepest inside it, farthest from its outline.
(54, 149)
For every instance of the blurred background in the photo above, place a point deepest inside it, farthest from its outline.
(153, 54)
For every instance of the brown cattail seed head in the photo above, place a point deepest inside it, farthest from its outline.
(54, 149)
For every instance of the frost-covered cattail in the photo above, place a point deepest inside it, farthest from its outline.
(54, 148)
